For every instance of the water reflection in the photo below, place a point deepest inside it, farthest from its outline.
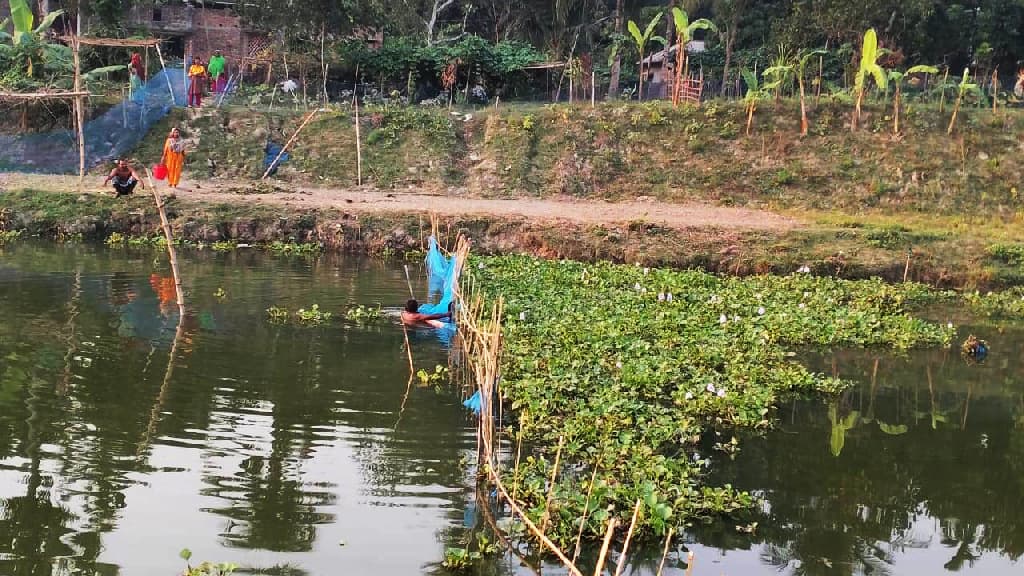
(919, 470)
(123, 440)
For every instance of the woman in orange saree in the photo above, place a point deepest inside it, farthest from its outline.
(174, 157)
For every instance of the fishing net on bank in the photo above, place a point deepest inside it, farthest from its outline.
(114, 133)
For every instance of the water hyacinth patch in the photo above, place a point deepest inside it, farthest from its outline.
(632, 381)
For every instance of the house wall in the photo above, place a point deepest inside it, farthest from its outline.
(201, 30)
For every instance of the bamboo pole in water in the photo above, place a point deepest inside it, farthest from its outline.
(171, 254)
(612, 523)
(664, 553)
(551, 486)
(629, 536)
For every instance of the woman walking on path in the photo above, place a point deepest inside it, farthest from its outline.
(173, 157)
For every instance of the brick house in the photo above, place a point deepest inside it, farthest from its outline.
(196, 29)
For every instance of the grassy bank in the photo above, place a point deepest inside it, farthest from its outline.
(947, 251)
(625, 150)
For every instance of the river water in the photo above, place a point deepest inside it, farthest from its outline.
(302, 450)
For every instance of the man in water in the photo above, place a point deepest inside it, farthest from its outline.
(124, 178)
(410, 316)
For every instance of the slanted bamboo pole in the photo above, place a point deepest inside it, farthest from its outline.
(290, 141)
(629, 536)
(171, 253)
(664, 553)
(612, 523)
(163, 67)
(359, 144)
(551, 486)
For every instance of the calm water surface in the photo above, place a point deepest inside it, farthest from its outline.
(287, 450)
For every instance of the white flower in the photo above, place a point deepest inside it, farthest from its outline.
(646, 270)
(618, 365)
(711, 388)
(661, 297)
(289, 86)
(721, 393)
(805, 269)
(669, 297)
(760, 311)
(696, 457)
(713, 299)
(723, 319)
(735, 318)
(637, 286)
(480, 265)
(949, 325)
(689, 396)
(806, 294)
(802, 305)
(522, 315)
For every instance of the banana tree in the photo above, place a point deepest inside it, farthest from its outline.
(868, 70)
(23, 36)
(641, 42)
(802, 60)
(896, 78)
(753, 95)
(963, 88)
(779, 74)
(684, 35)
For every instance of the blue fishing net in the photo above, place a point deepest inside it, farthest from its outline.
(114, 133)
(441, 273)
(270, 157)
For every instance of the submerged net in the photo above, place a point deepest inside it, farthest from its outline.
(108, 136)
(442, 272)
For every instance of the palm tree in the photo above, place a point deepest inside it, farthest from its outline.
(897, 78)
(641, 41)
(684, 34)
(869, 68)
(802, 60)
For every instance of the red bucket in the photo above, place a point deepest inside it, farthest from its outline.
(159, 171)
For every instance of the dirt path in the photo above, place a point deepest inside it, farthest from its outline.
(679, 216)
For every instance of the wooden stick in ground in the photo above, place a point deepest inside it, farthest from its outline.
(519, 453)
(171, 254)
(612, 523)
(629, 536)
(408, 281)
(79, 109)
(664, 553)
(290, 141)
(359, 146)
(689, 563)
(551, 486)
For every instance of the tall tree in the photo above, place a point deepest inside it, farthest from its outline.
(616, 67)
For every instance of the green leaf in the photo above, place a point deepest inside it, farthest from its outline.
(682, 23)
(634, 31)
(22, 17)
(893, 430)
(48, 21)
(923, 69)
(650, 25)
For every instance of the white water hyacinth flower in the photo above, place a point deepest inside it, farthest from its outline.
(736, 318)
(721, 393)
(522, 315)
(805, 269)
(637, 287)
(480, 265)
(949, 325)
(646, 271)
(289, 86)
(688, 396)
(713, 300)
(723, 319)
(668, 297)
(711, 388)
(661, 297)
(760, 311)
(802, 305)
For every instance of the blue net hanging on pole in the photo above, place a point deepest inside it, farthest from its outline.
(442, 273)
(114, 133)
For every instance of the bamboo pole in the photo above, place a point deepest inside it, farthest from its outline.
(612, 523)
(163, 68)
(551, 486)
(79, 106)
(359, 145)
(583, 520)
(629, 536)
(289, 142)
(171, 254)
(664, 553)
